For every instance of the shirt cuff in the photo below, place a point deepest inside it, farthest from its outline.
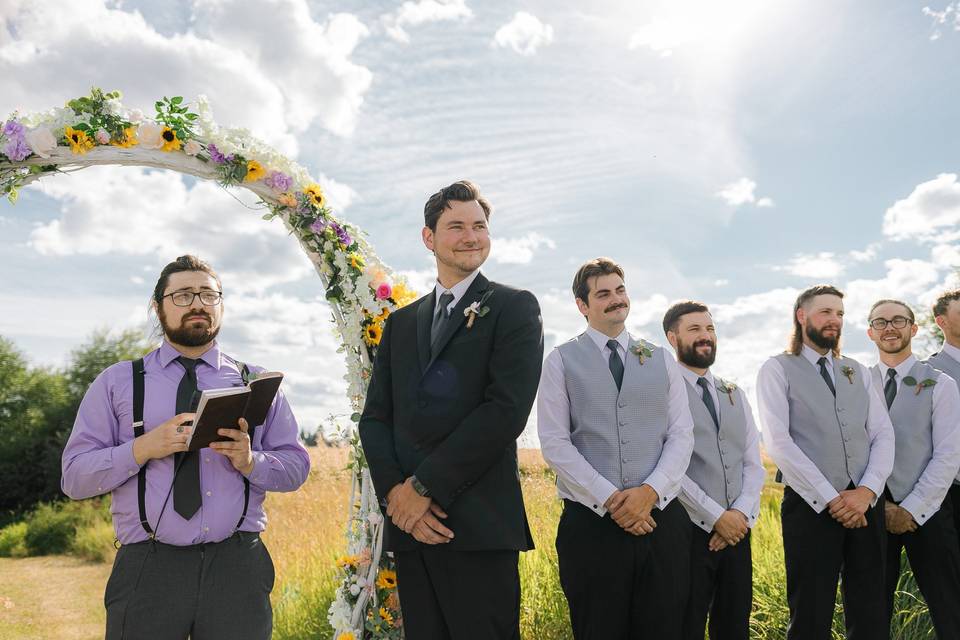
(261, 469)
(601, 490)
(658, 481)
(122, 458)
(741, 505)
(875, 485)
(921, 512)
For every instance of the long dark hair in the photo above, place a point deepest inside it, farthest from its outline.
(796, 338)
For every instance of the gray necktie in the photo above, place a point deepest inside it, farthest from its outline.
(616, 364)
(708, 400)
(826, 375)
(441, 317)
(186, 486)
(890, 389)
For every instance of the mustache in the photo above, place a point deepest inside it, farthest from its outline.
(704, 343)
(614, 307)
(193, 316)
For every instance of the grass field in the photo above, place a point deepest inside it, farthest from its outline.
(305, 535)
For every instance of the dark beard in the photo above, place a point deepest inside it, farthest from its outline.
(688, 354)
(188, 336)
(821, 340)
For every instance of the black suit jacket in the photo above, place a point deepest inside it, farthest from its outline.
(453, 419)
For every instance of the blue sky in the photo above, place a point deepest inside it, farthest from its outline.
(733, 152)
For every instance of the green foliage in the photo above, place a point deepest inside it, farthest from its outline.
(94, 541)
(171, 112)
(82, 528)
(97, 116)
(13, 540)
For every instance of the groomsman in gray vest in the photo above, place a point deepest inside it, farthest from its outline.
(946, 312)
(924, 406)
(827, 429)
(721, 489)
(615, 425)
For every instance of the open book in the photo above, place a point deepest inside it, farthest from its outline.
(223, 408)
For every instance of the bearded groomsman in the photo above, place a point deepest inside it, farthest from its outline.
(946, 312)
(827, 429)
(615, 425)
(924, 406)
(721, 489)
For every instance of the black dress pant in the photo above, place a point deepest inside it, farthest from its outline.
(213, 591)
(459, 595)
(721, 584)
(817, 549)
(620, 586)
(934, 555)
(953, 497)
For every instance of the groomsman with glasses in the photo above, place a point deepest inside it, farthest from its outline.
(924, 406)
(827, 429)
(721, 489)
(946, 312)
(615, 425)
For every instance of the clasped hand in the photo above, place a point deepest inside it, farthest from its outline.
(417, 515)
(630, 508)
(849, 508)
(898, 519)
(729, 529)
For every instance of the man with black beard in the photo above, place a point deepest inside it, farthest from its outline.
(200, 568)
(828, 431)
(721, 488)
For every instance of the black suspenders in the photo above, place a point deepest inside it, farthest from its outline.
(139, 373)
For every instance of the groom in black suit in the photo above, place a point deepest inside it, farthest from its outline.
(453, 383)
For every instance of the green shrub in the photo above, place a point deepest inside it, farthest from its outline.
(13, 540)
(94, 541)
(50, 529)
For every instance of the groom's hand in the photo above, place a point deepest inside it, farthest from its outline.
(429, 530)
(405, 506)
(631, 509)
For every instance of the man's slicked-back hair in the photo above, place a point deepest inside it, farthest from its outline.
(672, 317)
(591, 269)
(183, 263)
(943, 302)
(808, 294)
(460, 191)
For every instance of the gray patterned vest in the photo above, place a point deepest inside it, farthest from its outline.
(912, 416)
(717, 461)
(621, 434)
(832, 432)
(949, 366)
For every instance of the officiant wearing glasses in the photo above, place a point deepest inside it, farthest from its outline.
(191, 562)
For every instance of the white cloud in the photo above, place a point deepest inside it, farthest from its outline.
(704, 25)
(907, 280)
(823, 265)
(930, 213)
(662, 36)
(519, 250)
(412, 14)
(742, 192)
(949, 16)
(47, 55)
(867, 254)
(524, 34)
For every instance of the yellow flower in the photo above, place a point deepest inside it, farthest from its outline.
(402, 295)
(387, 579)
(371, 335)
(170, 140)
(348, 561)
(384, 314)
(255, 171)
(79, 141)
(315, 195)
(287, 200)
(386, 615)
(129, 138)
(356, 261)
(347, 635)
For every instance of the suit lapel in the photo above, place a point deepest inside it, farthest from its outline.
(424, 320)
(476, 289)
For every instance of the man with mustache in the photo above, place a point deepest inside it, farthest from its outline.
(924, 406)
(194, 567)
(615, 425)
(721, 488)
(828, 431)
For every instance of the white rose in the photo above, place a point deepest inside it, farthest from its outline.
(150, 135)
(112, 106)
(41, 141)
(192, 148)
(354, 589)
(136, 116)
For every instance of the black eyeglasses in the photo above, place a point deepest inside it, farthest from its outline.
(186, 298)
(898, 322)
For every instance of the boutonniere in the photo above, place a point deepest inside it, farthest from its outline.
(727, 388)
(642, 351)
(910, 381)
(848, 372)
(476, 309)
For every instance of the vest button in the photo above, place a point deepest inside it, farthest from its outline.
(624, 459)
(623, 422)
(623, 442)
(621, 404)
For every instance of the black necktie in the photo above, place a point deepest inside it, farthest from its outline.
(826, 375)
(186, 487)
(616, 364)
(441, 317)
(708, 400)
(890, 389)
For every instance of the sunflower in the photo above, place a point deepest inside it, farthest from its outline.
(170, 140)
(371, 335)
(387, 579)
(348, 561)
(386, 615)
(347, 635)
(315, 195)
(255, 171)
(128, 139)
(79, 141)
(402, 295)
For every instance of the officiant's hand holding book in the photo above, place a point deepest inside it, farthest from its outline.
(223, 408)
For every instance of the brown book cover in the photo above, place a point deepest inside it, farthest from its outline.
(223, 408)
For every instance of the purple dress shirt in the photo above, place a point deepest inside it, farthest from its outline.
(99, 458)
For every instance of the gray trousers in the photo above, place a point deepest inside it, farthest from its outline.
(212, 591)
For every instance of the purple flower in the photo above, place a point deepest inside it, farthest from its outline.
(318, 226)
(279, 182)
(13, 129)
(216, 156)
(17, 149)
(342, 234)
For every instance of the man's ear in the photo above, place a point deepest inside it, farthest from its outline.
(582, 306)
(672, 339)
(427, 235)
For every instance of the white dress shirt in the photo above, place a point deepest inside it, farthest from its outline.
(954, 353)
(700, 506)
(799, 472)
(458, 290)
(932, 485)
(585, 484)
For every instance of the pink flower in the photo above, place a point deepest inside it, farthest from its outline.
(41, 140)
(384, 291)
(192, 148)
(136, 116)
(102, 136)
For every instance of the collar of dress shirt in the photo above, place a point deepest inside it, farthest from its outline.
(168, 354)
(811, 355)
(692, 377)
(902, 369)
(457, 290)
(600, 339)
(951, 351)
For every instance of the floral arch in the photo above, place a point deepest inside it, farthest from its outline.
(362, 291)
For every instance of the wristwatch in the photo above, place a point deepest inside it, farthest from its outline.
(418, 487)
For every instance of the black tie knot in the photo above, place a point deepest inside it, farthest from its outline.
(615, 363)
(826, 375)
(188, 363)
(445, 300)
(612, 345)
(822, 361)
(891, 373)
(702, 381)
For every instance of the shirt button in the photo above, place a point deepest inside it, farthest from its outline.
(814, 502)
(625, 479)
(594, 506)
(624, 459)
(130, 473)
(206, 459)
(206, 529)
(209, 493)
(99, 488)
